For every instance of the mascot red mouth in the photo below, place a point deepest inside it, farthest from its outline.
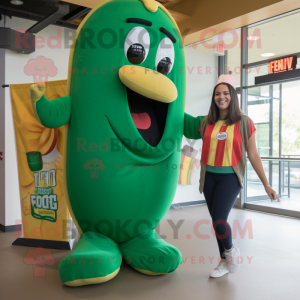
(148, 115)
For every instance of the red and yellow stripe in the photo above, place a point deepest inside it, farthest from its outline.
(224, 152)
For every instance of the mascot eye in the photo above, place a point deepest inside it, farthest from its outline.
(137, 45)
(164, 66)
(164, 60)
(136, 54)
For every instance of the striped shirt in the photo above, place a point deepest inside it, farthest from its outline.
(222, 144)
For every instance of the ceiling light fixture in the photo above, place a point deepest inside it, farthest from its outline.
(268, 54)
(16, 2)
(253, 38)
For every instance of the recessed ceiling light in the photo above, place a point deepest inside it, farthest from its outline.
(268, 54)
(253, 38)
(16, 2)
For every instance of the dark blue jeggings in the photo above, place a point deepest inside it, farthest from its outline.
(220, 192)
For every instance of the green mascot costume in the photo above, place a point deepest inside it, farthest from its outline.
(124, 119)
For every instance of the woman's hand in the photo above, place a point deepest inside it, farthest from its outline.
(272, 194)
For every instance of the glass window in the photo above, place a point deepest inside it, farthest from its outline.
(264, 105)
(256, 71)
(233, 62)
(291, 119)
(278, 36)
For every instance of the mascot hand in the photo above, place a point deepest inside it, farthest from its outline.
(37, 90)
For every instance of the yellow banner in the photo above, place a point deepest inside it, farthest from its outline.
(45, 214)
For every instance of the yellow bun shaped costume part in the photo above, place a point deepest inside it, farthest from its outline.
(162, 88)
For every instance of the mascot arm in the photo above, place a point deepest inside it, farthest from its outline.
(192, 126)
(51, 113)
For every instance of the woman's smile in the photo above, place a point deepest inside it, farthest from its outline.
(222, 97)
(222, 102)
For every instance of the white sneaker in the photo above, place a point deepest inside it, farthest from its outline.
(232, 259)
(220, 270)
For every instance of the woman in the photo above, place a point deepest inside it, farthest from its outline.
(227, 135)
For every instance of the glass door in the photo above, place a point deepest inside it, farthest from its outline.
(275, 112)
(263, 109)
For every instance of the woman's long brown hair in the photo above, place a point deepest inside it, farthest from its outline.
(234, 113)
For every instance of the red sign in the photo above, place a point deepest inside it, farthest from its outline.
(283, 64)
(219, 49)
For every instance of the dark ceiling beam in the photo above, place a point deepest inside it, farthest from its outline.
(8, 11)
(62, 10)
(76, 13)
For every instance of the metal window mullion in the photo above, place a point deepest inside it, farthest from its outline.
(266, 101)
(271, 133)
(225, 61)
(289, 179)
(221, 63)
(280, 139)
(244, 92)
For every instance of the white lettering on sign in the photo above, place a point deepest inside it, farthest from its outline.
(48, 176)
(222, 136)
(45, 202)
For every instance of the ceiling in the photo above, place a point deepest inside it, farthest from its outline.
(37, 10)
(230, 14)
(197, 19)
(200, 19)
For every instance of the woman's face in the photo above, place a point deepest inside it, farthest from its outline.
(222, 96)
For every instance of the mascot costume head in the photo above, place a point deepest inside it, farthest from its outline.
(124, 118)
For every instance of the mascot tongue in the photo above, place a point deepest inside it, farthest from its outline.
(141, 121)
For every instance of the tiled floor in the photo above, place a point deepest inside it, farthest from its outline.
(270, 249)
(290, 203)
